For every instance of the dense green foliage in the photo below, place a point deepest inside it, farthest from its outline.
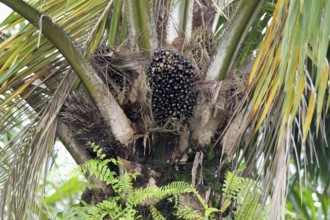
(127, 201)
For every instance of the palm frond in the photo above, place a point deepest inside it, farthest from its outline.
(223, 59)
(115, 19)
(180, 20)
(38, 64)
(22, 175)
(237, 28)
(286, 81)
(94, 85)
(142, 29)
(31, 71)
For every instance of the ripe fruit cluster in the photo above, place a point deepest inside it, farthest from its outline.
(172, 79)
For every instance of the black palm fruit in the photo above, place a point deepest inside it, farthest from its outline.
(172, 80)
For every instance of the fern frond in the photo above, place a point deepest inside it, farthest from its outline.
(76, 213)
(247, 193)
(231, 186)
(98, 150)
(139, 196)
(188, 213)
(156, 215)
(174, 188)
(200, 199)
(249, 206)
(106, 208)
(100, 170)
(124, 183)
(123, 205)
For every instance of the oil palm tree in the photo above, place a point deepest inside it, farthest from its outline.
(262, 70)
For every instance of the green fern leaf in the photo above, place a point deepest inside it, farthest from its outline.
(188, 213)
(156, 215)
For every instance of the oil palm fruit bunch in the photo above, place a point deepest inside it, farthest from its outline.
(172, 80)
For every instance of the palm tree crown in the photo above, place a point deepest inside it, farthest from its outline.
(238, 84)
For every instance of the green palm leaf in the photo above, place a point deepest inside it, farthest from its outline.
(287, 92)
(35, 57)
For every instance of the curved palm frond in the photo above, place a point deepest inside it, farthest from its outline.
(143, 27)
(32, 71)
(311, 184)
(233, 35)
(287, 93)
